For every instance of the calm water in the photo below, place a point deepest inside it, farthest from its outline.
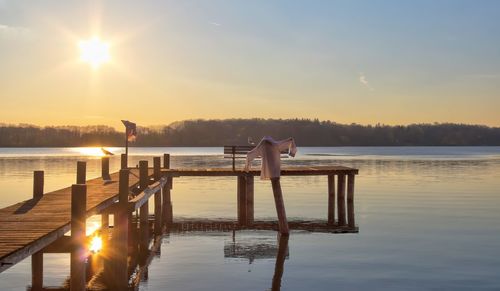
(428, 217)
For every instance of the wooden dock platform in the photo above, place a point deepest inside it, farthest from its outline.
(29, 226)
(39, 225)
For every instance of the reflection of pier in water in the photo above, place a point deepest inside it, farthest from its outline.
(143, 247)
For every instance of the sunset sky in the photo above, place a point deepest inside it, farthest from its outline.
(393, 62)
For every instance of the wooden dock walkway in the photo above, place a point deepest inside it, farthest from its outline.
(27, 227)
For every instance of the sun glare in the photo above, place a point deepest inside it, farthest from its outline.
(94, 51)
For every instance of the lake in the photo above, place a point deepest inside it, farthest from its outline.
(428, 219)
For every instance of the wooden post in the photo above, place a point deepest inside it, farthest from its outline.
(123, 161)
(250, 198)
(167, 212)
(280, 206)
(341, 199)
(234, 157)
(242, 200)
(156, 168)
(38, 182)
(78, 229)
(37, 271)
(166, 161)
(331, 199)
(350, 200)
(37, 258)
(105, 168)
(81, 172)
(120, 270)
(144, 182)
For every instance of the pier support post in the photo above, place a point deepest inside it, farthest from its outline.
(166, 161)
(280, 206)
(78, 229)
(38, 181)
(144, 182)
(341, 199)
(249, 181)
(37, 258)
(331, 199)
(37, 271)
(81, 172)
(350, 200)
(167, 208)
(242, 200)
(120, 271)
(123, 161)
(158, 205)
(105, 168)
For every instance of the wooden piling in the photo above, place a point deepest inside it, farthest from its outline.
(81, 172)
(249, 179)
(38, 181)
(331, 199)
(167, 211)
(78, 229)
(37, 271)
(242, 200)
(280, 206)
(350, 200)
(120, 271)
(166, 161)
(158, 215)
(144, 182)
(341, 199)
(123, 161)
(156, 168)
(105, 168)
(158, 205)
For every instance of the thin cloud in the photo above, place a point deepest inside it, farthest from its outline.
(364, 82)
(215, 23)
(15, 31)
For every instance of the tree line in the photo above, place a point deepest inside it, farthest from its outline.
(307, 132)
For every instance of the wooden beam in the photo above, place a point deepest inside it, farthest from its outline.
(167, 211)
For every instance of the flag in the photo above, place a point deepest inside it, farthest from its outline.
(131, 130)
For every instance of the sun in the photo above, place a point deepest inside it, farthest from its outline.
(94, 51)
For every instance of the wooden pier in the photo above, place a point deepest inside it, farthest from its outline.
(39, 225)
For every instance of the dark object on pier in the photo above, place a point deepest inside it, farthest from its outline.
(237, 152)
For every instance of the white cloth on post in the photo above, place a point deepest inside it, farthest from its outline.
(270, 151)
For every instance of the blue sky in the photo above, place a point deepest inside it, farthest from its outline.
(394, 62)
